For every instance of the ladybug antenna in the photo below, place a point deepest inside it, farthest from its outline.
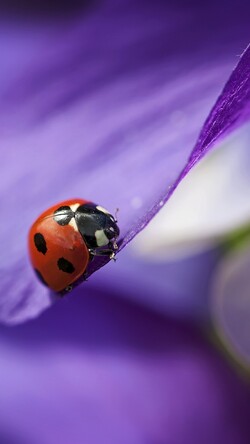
(116, 213)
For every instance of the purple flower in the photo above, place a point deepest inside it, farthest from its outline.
(106, 103)
(58, 140)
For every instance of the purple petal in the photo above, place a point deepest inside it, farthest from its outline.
(97, 369)
(231, 109)
(98, 106)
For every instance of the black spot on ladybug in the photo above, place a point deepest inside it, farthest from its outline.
(63, 215)
(40, 277)
(40, 243)
(65, 265)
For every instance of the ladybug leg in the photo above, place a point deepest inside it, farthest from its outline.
(113, 245)
(107, 252)
(85, 276)
(110, 251)
(68, 289)
(64, 292)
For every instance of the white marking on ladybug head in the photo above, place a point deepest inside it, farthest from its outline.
(74, 207)
(101, 238)
(72, 223)
(103, 210)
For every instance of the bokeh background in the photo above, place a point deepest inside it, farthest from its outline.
(105, 100)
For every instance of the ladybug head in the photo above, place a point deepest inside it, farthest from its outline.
(97, 225)
(111, 229)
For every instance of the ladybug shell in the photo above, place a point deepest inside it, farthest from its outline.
(58, 253)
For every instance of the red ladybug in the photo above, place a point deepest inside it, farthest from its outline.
(66, 237)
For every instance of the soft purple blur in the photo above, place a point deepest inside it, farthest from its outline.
(97, 369)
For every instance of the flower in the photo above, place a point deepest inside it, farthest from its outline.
(61, 67)
(108, 102)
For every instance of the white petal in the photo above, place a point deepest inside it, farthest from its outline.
(211, 201)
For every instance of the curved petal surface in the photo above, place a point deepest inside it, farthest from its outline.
(98, 106)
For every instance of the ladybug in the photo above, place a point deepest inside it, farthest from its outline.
(65, 239)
